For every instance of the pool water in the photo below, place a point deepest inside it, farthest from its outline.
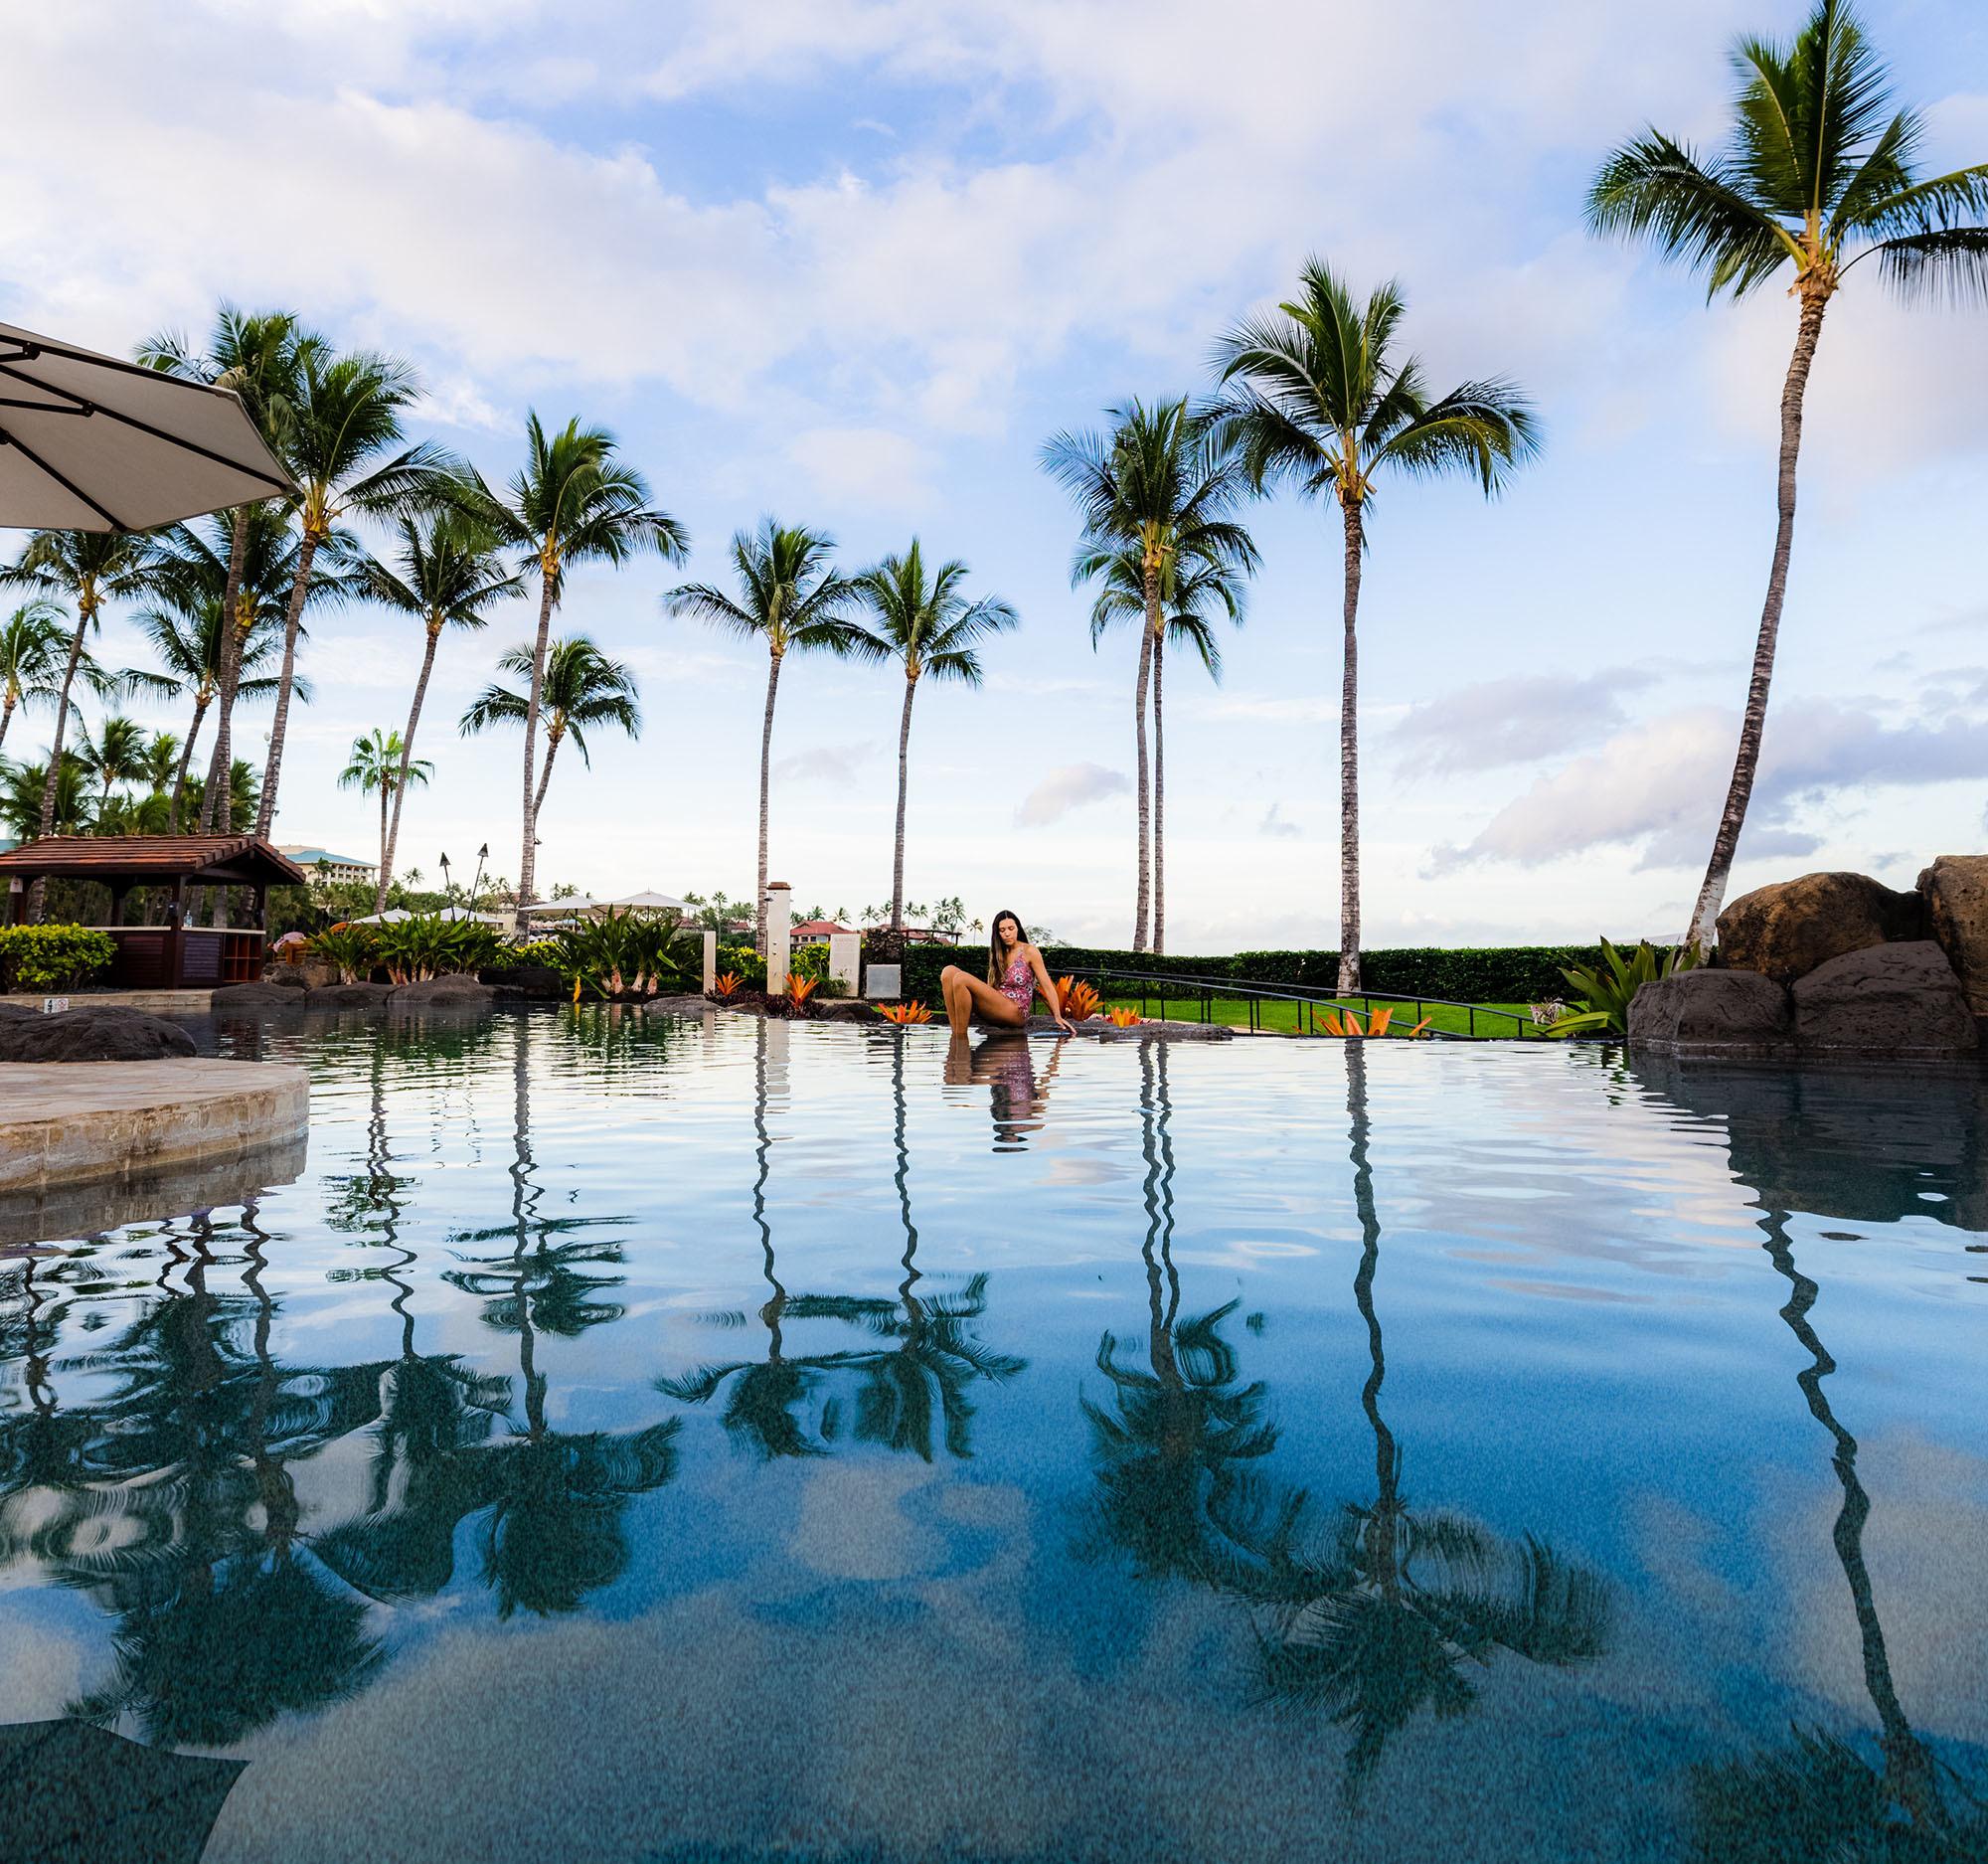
(655, 1439)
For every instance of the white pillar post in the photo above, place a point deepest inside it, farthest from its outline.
(845, 959)
(780, 946)
(710, 962)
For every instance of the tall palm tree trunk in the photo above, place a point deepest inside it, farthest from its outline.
(765, 784)
(380, 892)
(1143, 908)
(1159, 799)
(553, 735)
(38, 890)
(1704, 928)
(233, 636)
(1349, 767)
(528, 857)
(6, 715)
(406, 759)
(202, 699)
(265, 813)
(903, 777)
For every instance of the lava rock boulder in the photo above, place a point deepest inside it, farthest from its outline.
(456, 989)
(263, 996)
(1896, 1000)
(1956, 889)
(348, 996)
(95, 1033)
(1788, 929)
(1736, 1013)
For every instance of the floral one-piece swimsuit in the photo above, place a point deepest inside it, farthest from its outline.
(1017, 986)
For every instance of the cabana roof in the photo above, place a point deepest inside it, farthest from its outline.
(147, 860)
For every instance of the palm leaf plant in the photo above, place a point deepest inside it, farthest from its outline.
(925, 622)
(582, 688)
(254, 356)
(1607, 989)
(113, 754)
(1820, 174)
(448, 573)
(574, 501)
(1162, 481)
(342, 442)
(791, 601)
(1322, 402)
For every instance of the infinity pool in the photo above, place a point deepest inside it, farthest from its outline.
(659, 1440)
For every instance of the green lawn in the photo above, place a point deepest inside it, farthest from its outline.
(1281, 1018)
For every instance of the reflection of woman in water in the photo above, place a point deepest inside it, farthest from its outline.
(1015, 972)
(1018, 1096)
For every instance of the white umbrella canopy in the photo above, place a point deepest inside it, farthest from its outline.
(563, 905)
(91, 444)
(648, 901)
(395, 915)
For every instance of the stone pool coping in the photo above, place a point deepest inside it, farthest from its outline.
(76, 1122)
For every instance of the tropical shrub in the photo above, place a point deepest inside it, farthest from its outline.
(799, 989)
(903, 1012)
(542, 953)
(1122, 1019)
(1607, 988)
(52, 958)
(743, 964)
(810, 961)
(1075, 999)
(350, 948)
(1347, 1024)
(628, 953)
(428, 946)
(727, 985)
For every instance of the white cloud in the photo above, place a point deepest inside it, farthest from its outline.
(836, 764)
(1066, 789)
(870, 466)
(1274, 824)
(1515, 720)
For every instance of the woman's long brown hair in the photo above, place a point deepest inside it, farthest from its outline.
(997, 959)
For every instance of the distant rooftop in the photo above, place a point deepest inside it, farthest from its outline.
(308, 857)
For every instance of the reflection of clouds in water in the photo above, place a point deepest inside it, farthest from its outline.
(904, 1721)
(852, 1524)
(42, 1666)
(1926, 1545)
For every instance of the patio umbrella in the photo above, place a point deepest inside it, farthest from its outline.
(650, 901)
(77, 1791)
(563, 905)
(91, 444)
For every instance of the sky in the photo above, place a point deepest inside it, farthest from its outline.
(849, 262)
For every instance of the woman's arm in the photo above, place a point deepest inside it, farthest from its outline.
(1047, 985)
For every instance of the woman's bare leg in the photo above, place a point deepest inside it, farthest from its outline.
(966, 993)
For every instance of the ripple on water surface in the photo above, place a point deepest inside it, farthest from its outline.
(713, 1439)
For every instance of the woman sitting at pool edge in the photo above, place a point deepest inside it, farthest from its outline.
(1015, 972)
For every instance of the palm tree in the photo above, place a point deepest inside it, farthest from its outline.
(115, 755)
(23, 791)
(199, 652)
(1820, 176)
(792, 599)
(254, 356)
(1190, 593)
(582, 688)
(378, 761)
(449, 575)
(1318, 402)
(574, 501)
(88, 568)
(30, 658)
(1163, 482)
(345, 414)
(932, 630)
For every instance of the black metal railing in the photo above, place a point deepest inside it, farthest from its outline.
(1200, 994)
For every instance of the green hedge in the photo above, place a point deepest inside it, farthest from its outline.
(52, 958)
(1490, 974)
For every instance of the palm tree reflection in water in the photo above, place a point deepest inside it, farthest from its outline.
(920, 1380)
(1815, 1797)
(1371, 1618)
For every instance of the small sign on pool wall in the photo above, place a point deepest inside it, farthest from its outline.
(49, 1005)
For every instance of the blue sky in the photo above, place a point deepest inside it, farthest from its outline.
(850, 261)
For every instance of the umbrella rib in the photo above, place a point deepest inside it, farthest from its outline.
(41, 346)
(21, 446)
(84, 406)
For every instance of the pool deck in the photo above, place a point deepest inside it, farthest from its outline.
(76, 1122)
